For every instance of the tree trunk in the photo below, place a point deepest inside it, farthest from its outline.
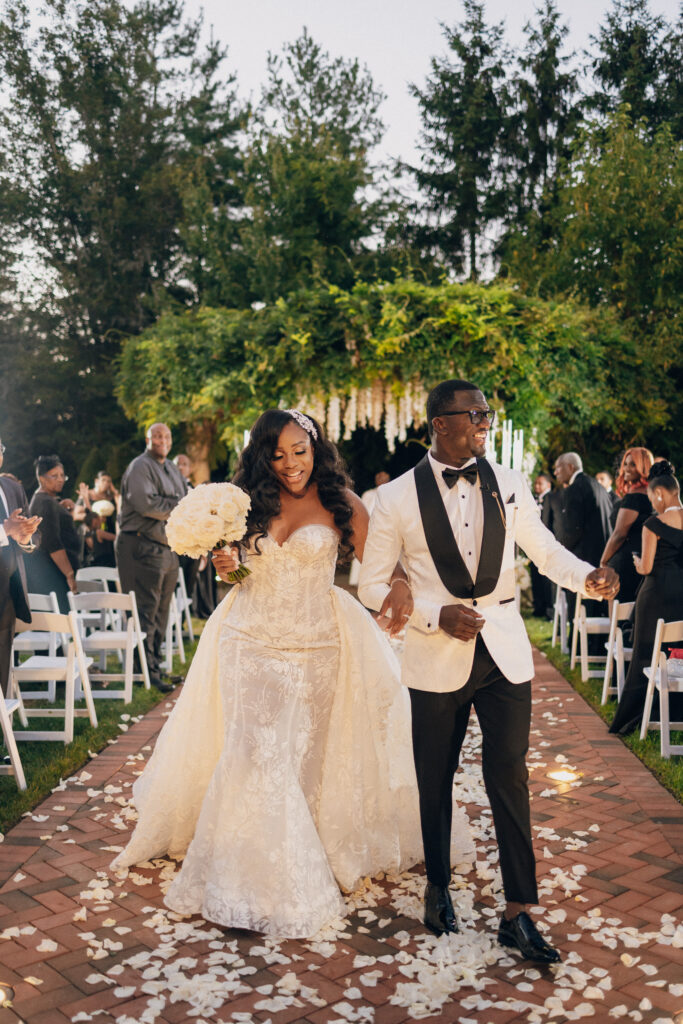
(200, 437)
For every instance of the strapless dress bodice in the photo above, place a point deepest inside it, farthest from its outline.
(286, 600)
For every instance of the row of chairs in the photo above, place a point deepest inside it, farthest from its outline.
(100, 623)
(612, 665)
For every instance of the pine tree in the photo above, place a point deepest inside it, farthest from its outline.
(637, 61)
(463, 169)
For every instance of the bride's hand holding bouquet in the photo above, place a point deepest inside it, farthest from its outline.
(226, 562)
(211, 517)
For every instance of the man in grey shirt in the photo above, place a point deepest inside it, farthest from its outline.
(151, 487)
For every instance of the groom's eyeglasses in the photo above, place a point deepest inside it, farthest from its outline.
(475, 415)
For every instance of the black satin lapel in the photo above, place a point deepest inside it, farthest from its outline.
(493, 538)
(439, 533)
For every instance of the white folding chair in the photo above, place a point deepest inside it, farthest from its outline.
(174, 636)
(104, 640)
(67, 669)
(184, 602)
(33, 641)
(585, 626)
(560, 621)
(617, 654)
(660, 676)
(101, 574)
(7, 708)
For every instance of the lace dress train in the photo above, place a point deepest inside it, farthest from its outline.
(285, 770)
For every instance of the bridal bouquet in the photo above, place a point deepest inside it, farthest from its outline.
(209, 516)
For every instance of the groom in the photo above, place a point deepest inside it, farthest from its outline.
(454, 521)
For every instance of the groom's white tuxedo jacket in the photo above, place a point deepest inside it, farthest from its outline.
(417, 518)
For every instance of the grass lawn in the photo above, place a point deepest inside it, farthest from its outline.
(47, 762)
(669, 772)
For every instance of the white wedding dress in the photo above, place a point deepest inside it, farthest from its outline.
(285, 770)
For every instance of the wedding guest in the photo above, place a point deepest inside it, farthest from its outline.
(541, 586)
(151, 487)
(103, 490)
(99, 542)
(16, 533)
(627, 518)
(661, 593)
(582, 523)
(54, 565)
(191, 566)
(368, 498)
(606, 480)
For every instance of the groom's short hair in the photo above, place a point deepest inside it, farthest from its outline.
(441, 396)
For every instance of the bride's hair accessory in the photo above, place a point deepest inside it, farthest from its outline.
(304, 422)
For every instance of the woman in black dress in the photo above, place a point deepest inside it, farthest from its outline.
(627, 519)
(661, 593)
(52, 567)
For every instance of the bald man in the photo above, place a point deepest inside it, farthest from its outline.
(151, 488)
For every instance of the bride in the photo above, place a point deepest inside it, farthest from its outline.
(285, 769)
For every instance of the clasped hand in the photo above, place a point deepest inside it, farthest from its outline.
(225, 560)
(602, 583)
(20, 527)
(397, 608)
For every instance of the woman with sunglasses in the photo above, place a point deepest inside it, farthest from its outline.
(53, 566)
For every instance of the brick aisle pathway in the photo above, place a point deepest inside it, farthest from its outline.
(78, 944)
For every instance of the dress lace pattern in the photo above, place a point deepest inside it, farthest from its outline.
(285, 770)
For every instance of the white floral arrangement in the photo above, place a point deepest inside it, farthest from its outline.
(209, 516)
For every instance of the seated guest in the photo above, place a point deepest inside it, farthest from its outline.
(53, 566)
(627, 518)
(661, 593)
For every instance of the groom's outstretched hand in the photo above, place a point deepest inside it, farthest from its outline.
(602, 583)
(460, 622)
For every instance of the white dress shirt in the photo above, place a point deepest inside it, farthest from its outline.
(4, 539)
(465, 510)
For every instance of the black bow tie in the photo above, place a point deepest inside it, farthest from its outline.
(451, 476)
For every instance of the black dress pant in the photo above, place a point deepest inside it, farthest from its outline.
(7, 623)
(151, 571)
(439, 724)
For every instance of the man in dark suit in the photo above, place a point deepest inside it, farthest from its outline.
(541, 586)
(16, 531)
(582, 522)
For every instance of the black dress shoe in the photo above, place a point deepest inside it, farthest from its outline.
(439, 914)
(160, 685)
(172, 678)
(522, 933)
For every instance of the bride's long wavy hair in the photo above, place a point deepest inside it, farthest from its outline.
(256, 476)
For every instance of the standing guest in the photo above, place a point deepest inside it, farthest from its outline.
(541, 587)
(454, 521)
(661, 593)
(191, 566)
(151, 488)
(368, 498)
(606, 480)
(103, 490)
(582, 524)
(627, 519)
(54, 565)
(16, 531)
(99, 542)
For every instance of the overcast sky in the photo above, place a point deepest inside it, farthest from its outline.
(395, 38)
